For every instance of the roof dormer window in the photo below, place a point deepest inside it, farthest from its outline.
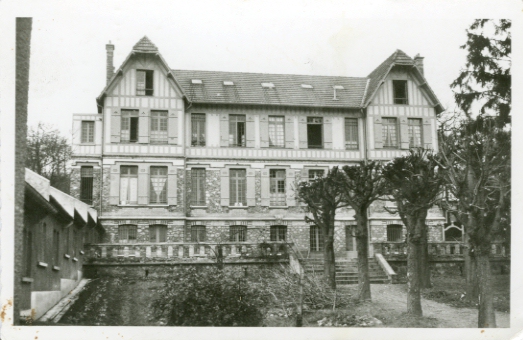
(306, 86)
(267, 85)
(197, 81)
(337, 87)
(228, 83)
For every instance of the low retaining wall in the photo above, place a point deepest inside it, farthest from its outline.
(163, 270)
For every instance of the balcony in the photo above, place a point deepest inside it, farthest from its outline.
(438, 251)
(205, 252)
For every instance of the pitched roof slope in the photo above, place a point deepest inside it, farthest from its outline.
(145, 45)
(287, 90)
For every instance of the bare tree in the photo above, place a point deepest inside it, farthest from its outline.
(476, 163)
(323, 197)
(414, 183)
(362, 184)
(47, 154)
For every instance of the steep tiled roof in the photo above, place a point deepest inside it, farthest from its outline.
(397, 58)
(287, 90)
(145, 45)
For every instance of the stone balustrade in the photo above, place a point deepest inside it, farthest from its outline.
(395, 250)
(185, 251)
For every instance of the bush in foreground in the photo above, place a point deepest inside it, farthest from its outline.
(210, 297)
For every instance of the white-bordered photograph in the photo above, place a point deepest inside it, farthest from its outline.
(259, 167)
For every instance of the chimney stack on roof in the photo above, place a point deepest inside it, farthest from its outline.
(418, 61)
(110, 68)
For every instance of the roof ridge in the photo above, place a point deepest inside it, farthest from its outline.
(272, 74)
(145, 45)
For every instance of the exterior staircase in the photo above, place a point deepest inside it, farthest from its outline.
(346, 270)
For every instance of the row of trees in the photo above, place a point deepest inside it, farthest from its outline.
(472, 168)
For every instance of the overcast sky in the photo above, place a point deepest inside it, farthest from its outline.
(298, 37)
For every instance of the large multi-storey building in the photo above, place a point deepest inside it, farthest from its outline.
(177, 162)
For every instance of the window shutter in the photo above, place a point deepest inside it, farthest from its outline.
(378, 138)
(143, 126)
(224, 133)
(404, 132)
(289, 190)
(251, 188)
(172, 127)
(172, 187)
(302, 128)
(224, 178)
(427, 133)
(115, 126)
(265, 188)
(143, 184)
(289, 132)
(327, 133)
(114, 185)
(249, 130)
(264, 131)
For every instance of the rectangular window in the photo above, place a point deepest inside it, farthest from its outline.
(389, 133)
(129, 126)
(415, 133)
(315, 132)
(276, 132)
(86, 184)
(198, 233)
(400, 92)
(128, 184)
(278, 233)
(127, 233)
(87, 132)
(43, 244)
(316, 238)
(237, 130)
(157, 233)
(350, 237)
(351, 133)
(277, 187)
(158, 185)
(158, 127)
(394, 232)
(198, 187)
(238, 233)
(144, 82)
(238, 188)
(56, 248)
(198, 129)
(316, 173)
(28, 249)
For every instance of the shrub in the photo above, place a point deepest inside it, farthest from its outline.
(210, 297)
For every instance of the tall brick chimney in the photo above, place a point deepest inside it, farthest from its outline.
(418, 60)
(110, 68)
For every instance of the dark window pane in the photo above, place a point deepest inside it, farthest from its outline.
(238, 233)
(394, 232)
(237, 130)
(400, 91)
(315, 132)
(198, 187)
(278, 233)
(198, 233)
(86, 184)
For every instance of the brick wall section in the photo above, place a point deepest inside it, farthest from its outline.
(76, 181)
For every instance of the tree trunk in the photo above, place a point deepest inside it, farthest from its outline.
(486, 315)
(471, 277)
(413, 281)
(362, 247)
(424, 263)
(329, 268)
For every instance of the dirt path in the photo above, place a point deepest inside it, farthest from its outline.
(394, 297)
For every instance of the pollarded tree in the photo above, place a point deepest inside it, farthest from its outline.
(476, 168)
(323, 196)
(415, 185)
(363, 184)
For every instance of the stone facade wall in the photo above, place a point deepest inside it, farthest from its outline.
(174, 230)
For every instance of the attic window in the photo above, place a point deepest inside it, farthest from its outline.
(228, 83)
(268, 85)
(337, 87)
(144, 82)
(306, 86)
(197, 81)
